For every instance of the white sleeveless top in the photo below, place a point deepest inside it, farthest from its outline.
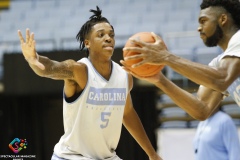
(93, 122)
(233, 49)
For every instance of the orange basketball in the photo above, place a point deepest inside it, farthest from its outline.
(146, 69)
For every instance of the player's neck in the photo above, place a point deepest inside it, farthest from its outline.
(226, 38)
(104, 68)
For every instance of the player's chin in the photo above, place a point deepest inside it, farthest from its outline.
(108, 51)
(203, 38)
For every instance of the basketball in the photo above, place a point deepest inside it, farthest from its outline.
(146, 69)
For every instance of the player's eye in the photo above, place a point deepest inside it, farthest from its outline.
(203, 21)
(100, 34)
(112, 35)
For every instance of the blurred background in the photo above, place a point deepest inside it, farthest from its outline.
(31, 106)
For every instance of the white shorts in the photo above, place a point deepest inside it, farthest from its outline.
(55, 157)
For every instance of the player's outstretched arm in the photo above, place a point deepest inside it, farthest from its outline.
(43, 66)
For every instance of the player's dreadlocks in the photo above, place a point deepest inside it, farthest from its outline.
(231, 6)
(86, 28)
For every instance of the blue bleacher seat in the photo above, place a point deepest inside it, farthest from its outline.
(205, 54)
(72, 44)
(173, 112)
(127, 17)
(6, 27)
(183, 53)
(186, 5)
(70, 4)
(123, 29)
(122, 33)
(33, 15)
(147, 27)
(160, 6)
(93, 3)
(189, 42)
(157, 18)
(21, 5)
(132, 19)
(192, 26)
(49, 24)
(179, 15)
(9, 16)
(193, 124)
(23, 25)
(171, 26)
(46, 4)
(173, 124)
(137, 7)
(231, 108)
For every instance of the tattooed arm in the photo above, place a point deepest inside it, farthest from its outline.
(73, 73)
(53, 69)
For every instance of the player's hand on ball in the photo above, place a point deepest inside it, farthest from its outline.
(29, 50)
(152, 79)
(151, 53)
(145, 70)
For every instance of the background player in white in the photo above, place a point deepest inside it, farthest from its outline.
(97, 96)
(219, 23)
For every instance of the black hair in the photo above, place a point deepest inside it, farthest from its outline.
(231, 6)
(87, 26)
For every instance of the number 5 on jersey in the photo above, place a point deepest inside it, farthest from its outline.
(105, 119)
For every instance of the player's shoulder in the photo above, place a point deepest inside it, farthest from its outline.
(80, 65)
(223, 117)
(77, 67)
(74, 63)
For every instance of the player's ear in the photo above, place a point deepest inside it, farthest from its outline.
(87, 43)
(223, 19)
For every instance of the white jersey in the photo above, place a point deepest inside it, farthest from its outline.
(93, 122)
(233, 49)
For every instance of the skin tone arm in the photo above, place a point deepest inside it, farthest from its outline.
(215, 78)
(199, 107)
(45, 67)
(133, 124)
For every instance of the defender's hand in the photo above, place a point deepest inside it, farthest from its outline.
(29, 49)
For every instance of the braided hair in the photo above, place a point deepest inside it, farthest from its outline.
(86, 28)
(231, 6)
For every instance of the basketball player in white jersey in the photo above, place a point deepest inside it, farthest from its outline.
(97, 98)
(219, 24)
